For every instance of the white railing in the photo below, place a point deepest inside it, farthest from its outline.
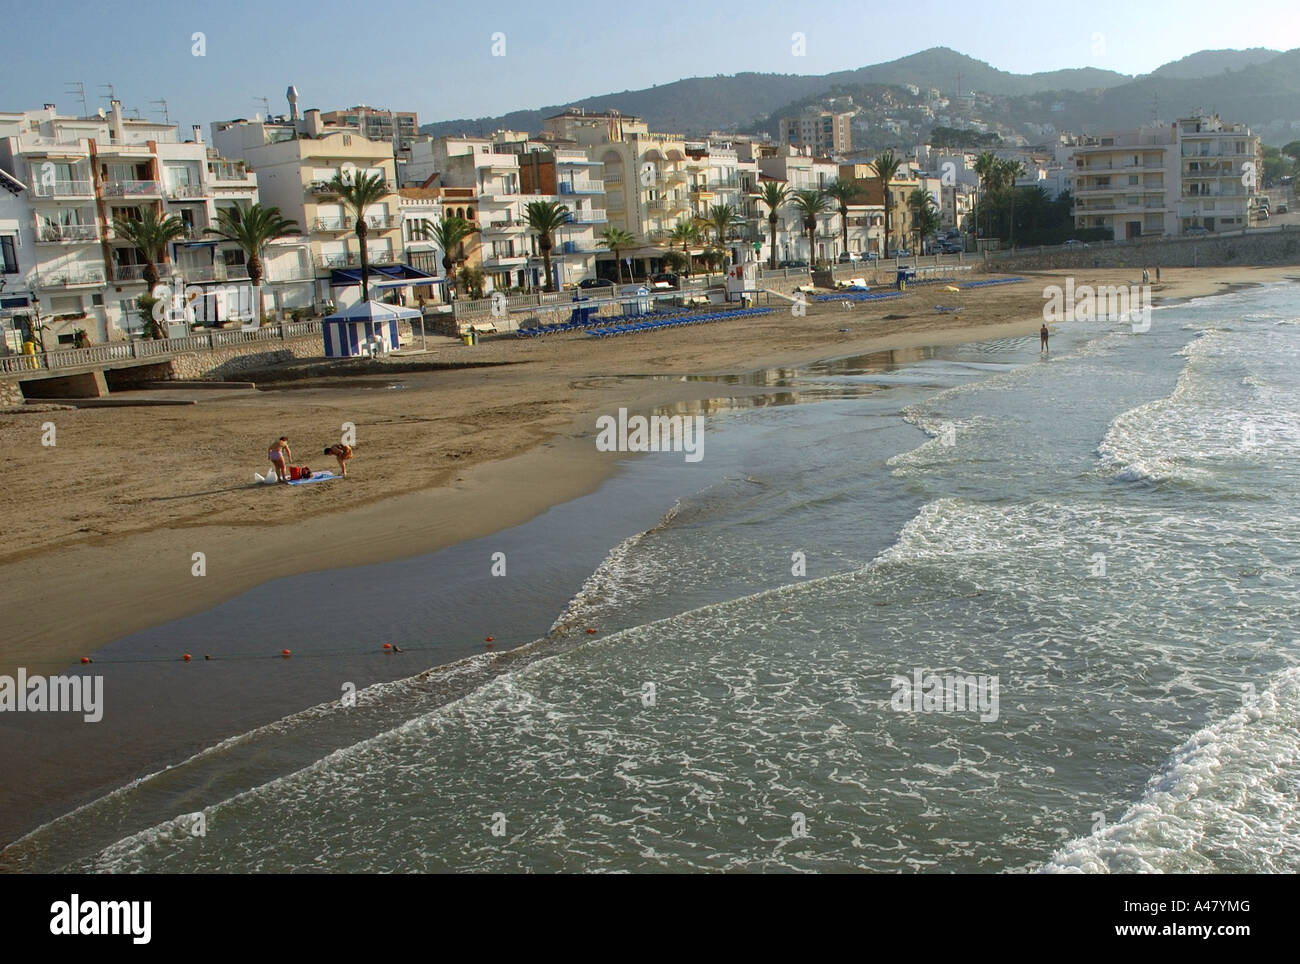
(333, 224)
(62, 188)
(589, 216)
(132, 189)
(68, 232)
(185, 191)
(335, 260)
(72, 275)
(128, 272)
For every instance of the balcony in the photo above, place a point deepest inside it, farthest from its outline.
(380, 222)
(335, 260)
(71, 276)
(505, 260)
(62, 189)
(588, 216)
(66, 233)
(133, 189)
(129, 272)
(333, 224)
(503, 227)
(185, 192)
(582, 187)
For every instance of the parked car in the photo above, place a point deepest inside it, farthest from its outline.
(1075, 243)
(901, 253)
(666, 278)
(1282, 208)
(1197, 229)
(588, 283)
(793, 264)
(849, 257)
(1263, 214)
(872, 255)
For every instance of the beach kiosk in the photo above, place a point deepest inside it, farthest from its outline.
(364, 329)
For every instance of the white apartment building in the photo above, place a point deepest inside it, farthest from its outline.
(82, 174)
(1166, 180)
(800, 171)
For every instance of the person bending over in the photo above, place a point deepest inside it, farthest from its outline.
(341, 452)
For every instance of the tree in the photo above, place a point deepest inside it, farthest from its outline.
(774, 196)
(544, 218)
(843, 193)
(1009, 171)
(252, 227)
(925, 215)
(358, 192)
(986, 169)
(471, 280)
(687, 233)
(449, 234)
(616, 240)
(809, 205)
(677, 261)
(714, 259)
(151, 234)
(886, 166)
(722, 218)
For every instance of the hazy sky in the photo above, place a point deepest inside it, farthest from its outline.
(437, 59)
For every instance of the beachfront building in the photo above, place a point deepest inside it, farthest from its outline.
(396, 127)
(819, 130)
(82, 174)
(909, 178)
(800, 172)
(1159, 180)
(644, 174)
(16, 296)
(296, 159)
(420, 208)
(565, 175)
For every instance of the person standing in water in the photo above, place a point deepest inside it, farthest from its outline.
(1042, 339)
(280, 457)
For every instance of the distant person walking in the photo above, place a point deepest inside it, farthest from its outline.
(1146, 276)
(341, 452)
(1157, 274)
(1042, 339)
(280, 456)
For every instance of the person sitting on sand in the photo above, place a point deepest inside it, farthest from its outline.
(280, 456)
(342, 453)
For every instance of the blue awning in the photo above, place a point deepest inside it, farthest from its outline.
(384, 276)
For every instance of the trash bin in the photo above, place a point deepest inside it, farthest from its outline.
(468, 337)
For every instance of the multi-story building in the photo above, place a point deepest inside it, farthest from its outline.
(820, 130)
(81, 176)
(645, 178)
(802, 172)
(900, 227)
(296, 160)
(1197, 173)
(396, 127)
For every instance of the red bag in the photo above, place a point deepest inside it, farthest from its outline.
(295, 472)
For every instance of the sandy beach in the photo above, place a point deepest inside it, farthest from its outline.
(102, 526)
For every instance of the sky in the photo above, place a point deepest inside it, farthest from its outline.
(437, 58)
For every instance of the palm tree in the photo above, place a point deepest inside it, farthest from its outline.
(810, 204)
(251, 228)
(986, 169)
(843, 193)
(886, 166)
(448, 234)
(360, 191)
(544, 218)
(722, 218)
(925, 214)
(774, 195)
(616, 239)
(151, 234)
(687, 233)
(1010, 171)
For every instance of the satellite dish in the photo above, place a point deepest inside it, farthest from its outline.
(100, 112)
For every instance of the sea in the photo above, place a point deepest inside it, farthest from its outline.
(697, 667)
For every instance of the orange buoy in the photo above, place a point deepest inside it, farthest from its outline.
(487, 639)
(388, 645)
(284, 653)
(590, 630)
(85, 659)
(187, 657)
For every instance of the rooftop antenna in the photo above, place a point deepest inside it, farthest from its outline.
(112, 92)
(163, 101)
(78, 88)
(266, 107)
(1155, 109)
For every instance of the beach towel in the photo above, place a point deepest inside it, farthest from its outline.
(316, 477)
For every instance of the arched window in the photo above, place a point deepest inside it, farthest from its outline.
(469, 214)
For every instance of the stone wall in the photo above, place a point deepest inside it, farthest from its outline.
(1255, 248)
(10, 393)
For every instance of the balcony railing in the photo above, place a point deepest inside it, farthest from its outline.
(335, 260)
(132, 189)
(380, 222)
(589, 216)
(327, 187)
(71, 275)
(333, 224)
(582, 187)
(55, 233)
(62, 189)
(185, 192)
(128, 272)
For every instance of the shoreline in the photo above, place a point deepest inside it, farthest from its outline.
(553, 462)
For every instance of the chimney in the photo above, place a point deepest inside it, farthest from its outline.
(313, 121)
(292, 96)
(198, 133)
(118, 135)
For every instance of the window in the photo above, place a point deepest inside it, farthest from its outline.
(9, 254)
